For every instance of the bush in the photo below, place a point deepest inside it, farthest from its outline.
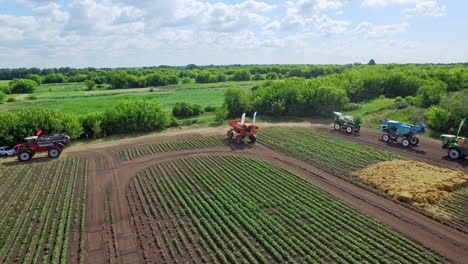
(54, 78)
(2, 96)
(37, 78)
(89, 84)
(241, 75)
(221, 114)
(135, 116)
(14, 127)
(92, 124)
(186, 80)
(31, 97)
(183, 109)
(22, 86)
(210, 108)
(272, 76)
(438, 118)
(257, 77)
(11, 100)
(237, 101)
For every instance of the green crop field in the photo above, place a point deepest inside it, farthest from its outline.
(75, 99)
(43, 212)
(243, 210)
(136, 152)
(457, 208)
(337, 156)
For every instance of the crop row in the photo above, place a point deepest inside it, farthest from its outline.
(457, 206)
(243, 210)
(139, 151)
(39, 205)
(337, 156)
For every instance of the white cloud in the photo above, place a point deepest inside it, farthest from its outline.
(339, 12)
(311, 7)
(327, 26)
(384, 3)
(427, 8)
(380, 31)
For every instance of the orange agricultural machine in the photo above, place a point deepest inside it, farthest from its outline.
(243, 129)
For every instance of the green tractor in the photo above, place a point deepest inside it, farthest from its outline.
(457, 146)
(349, 123)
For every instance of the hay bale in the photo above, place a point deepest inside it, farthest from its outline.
(418, 183)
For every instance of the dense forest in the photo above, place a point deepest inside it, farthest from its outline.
(439, 93)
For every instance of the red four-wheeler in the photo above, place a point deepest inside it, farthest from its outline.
(242, 129)
(53, 144)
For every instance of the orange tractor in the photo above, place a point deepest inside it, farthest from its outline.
(242, 129)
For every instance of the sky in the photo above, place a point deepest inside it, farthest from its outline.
(136, 33)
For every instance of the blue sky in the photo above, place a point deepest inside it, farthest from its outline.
(129, 33)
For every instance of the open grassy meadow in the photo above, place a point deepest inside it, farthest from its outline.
(73, 98)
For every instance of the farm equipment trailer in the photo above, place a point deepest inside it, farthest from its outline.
(394, 129)
(243, 129)
(349, 123)
(53, 144)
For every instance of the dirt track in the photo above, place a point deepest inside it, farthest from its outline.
(111, 235)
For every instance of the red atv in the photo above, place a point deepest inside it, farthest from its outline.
(243, 129)
(53, 144)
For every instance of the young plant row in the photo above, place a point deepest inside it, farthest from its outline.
(457, 206)
(337, 156)
(236, 209)
(39, 211)
(140, 151)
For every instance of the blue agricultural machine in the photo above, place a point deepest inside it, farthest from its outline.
(394, 129)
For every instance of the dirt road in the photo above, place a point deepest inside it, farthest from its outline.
(111, 233)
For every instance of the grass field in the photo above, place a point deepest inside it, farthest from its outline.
(43, 212)
(73, 97)
(212, 210)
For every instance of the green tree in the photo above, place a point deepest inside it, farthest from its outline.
(371, 62)
(241, 75)
(431, 92)
(257, 77)
(22, 86)
(272, 76)
(236, 101)
(54, 78)
(438, 118)
(118, 80)
(90, 84)
(37, 78)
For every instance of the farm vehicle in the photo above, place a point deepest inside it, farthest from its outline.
(53, 144)
(457, 146)
(394, 129)
(241, 130)
(349, 123)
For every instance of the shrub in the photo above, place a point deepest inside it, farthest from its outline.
(11, 100)
(186, 80)
(151, 90)
(237, 101)
(22, 86)
(183, 109)
(37, 78)
(210, 108)
(257, 77)
(54, 78)
(438, 118)
(2, 96)
(241, 75)
(31, 97)
(90, 84)
(14, 127)
(135, 116)
(272, 76)
(221, 113)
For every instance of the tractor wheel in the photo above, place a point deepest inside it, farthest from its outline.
(386, 137)
(54, 152)
(454, 154)
(252, 139)
(25, 155)
(239, 139)
(405, 142)
(393, 137)
(349, 130)
(357, 129)
(414, 141)
(337, 126)
(230, 135)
